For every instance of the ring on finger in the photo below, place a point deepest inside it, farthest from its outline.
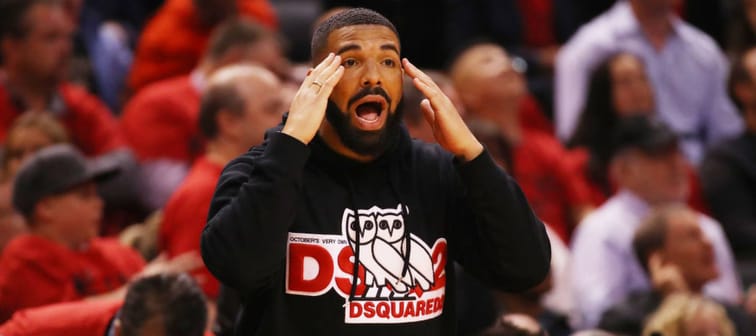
(319, 84)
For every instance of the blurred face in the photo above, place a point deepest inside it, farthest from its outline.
(688, 248)
(43, 53)
(485, 74)
(746, 93)
(657, 178)
(20, 144)
(74, 215)
(631, 91)
(263, 110)
(362, 108)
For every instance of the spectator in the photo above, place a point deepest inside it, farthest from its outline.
(678, 258)
(684, 65)
(61, 259)
(35, 38)
(164, 304)
(492, 93)
(29, 133)
(650, 171)
(689, 315)
(728, 172)
(741, 29)
(160, 122)
(411, 98)
(172, 42)
(239, 105)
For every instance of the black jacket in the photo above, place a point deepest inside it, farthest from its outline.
(287, 220)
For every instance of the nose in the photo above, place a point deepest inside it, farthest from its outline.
(370, 75)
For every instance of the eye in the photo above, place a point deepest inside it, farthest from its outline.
(355, 226)
(349, 62)
(383, 225)
(397, 224)
(389, 62)
(369, 225)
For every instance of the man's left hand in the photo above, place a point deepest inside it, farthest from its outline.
(449, 129)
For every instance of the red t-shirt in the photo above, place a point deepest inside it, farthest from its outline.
(173, 41)
(35, 271)
(550, 183)
(89, 123)
(160, 122)
(185, 215)
(81, 318)
(532, 116)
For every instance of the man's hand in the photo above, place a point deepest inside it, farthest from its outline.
(309, 104)
(665, 277)
(449, 129)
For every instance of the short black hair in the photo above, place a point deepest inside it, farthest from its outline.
(345, 18)
(13, 16)
(175, 299)
(234, 33)
(225, 96)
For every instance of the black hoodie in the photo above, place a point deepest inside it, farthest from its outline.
(288, 220)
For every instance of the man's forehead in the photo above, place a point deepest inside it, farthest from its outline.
(360, 34)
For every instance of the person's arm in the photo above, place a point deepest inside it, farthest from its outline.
(244, 241)
(503, 244)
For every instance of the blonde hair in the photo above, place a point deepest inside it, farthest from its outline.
(672, 317)
(42, 121)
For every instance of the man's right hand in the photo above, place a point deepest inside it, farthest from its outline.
(309, 104)
(666, 277)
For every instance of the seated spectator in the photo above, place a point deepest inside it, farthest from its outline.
(29, 133)
(492, 93)
(686, 68)
(411, 98)
(160, 122)
(685, 314)
(36, 46)
(618, 87)
(164, 304)
(241, 102)
(173, 41)
(61, 259)
(728, 173)
(650, 171)
(678, 258)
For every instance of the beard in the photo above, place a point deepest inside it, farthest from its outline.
(365, 143)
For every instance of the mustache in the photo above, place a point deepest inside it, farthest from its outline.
(374, 90)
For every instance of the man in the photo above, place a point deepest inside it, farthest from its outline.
(728, 172)
(341, 224)
(650, 171)
(678, 258)
(158, 305)
(160, 122)
(172, 42)
(493, 93)
(35, 43)
(61, 258)
(240, 103)
(686, 68)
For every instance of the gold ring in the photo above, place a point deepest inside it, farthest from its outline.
(319, 84)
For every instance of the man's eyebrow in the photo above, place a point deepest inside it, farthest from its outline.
(390, 46)
(348, 47)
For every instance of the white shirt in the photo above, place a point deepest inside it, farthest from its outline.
(688, 77)
(604, 266)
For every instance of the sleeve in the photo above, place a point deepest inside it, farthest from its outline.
(244, 241)
(498, 238)
(721, 117)
(730, 200)
(727, 287)
(93, 127)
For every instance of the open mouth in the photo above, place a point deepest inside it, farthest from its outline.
(370, 109)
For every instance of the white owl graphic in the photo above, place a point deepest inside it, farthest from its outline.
(384, 245)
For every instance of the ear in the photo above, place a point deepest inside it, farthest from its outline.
(227, 121)
(44, 209)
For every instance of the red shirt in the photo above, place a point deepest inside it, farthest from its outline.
(161, 121)
(532, 116)
(35, 271)
(89, 123)
(538, 22)
(81, 318)
(173, 41)
(185, 216)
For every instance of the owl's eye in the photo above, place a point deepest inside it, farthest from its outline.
(397, 224)
(369, 225)
(383, 225)
(355, 226)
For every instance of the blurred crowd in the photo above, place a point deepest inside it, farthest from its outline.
(629, 125)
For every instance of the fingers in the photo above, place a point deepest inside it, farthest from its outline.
(428, 113)
(655, 262)
(322, 75)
